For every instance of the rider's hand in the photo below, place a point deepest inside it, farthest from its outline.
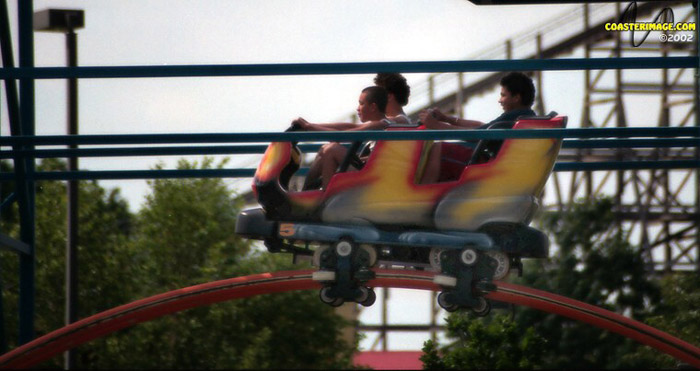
(301, 123)
(427, 117)
(438, 115)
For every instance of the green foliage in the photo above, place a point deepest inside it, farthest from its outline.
(678, 314)
(183, 236)
(185, 233)
(103, 251)
(595, 265)
(495, 344)
(278, 331)
(590, 263)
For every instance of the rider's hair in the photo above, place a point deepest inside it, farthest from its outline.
(378, 96)
(395, 84)
(520, 83)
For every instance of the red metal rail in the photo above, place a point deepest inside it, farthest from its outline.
(104, 323)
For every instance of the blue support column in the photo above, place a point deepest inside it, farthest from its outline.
(697, 124)
(13, 118)
(25, 10)
(8, 61)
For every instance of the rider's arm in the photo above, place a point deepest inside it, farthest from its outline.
(459, 123)
(340, 126)
(371, 125)
(436, 120)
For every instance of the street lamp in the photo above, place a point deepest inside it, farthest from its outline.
(67, 21)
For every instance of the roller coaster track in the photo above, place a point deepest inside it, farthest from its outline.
(103, 324)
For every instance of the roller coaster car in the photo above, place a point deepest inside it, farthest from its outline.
(382, 213)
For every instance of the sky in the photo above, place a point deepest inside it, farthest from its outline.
(178, 32)
(174, 32)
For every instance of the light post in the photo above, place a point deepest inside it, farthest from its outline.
(67, 21)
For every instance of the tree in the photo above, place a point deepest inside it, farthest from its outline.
(185, 231)
(498, 343)
(103, 250)
(591, 264)
(677, 314)
(185, 236)
(594, 264)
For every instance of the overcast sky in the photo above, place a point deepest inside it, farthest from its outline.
(172, 32)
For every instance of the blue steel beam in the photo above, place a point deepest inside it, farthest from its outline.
(310, 148)
(248, 172)
(149, 151)
(633, 143)
(27, 289)
(627, 132)
(8, 61)
(13, 109)
(348, 68)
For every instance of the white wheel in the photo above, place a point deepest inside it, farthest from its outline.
(370, 299)
(469, 256)
(317, 255)
(367, 298)
(323, 276)
(503, 266)
(434, 259)
(323, 294)
(364, 294)
(445, 281)
(442, 302)
(334, 302)
(343, 248)
(372, 254)
(482, 308)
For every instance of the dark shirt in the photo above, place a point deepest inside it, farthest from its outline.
(455, 156)
(514, 114)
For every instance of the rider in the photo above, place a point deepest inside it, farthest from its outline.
(371, 111)
(516, 97)
(398, 93)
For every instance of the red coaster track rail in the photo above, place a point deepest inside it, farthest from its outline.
(102, 324)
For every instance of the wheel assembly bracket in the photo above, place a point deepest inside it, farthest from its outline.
(466, 276)
(350, 264)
